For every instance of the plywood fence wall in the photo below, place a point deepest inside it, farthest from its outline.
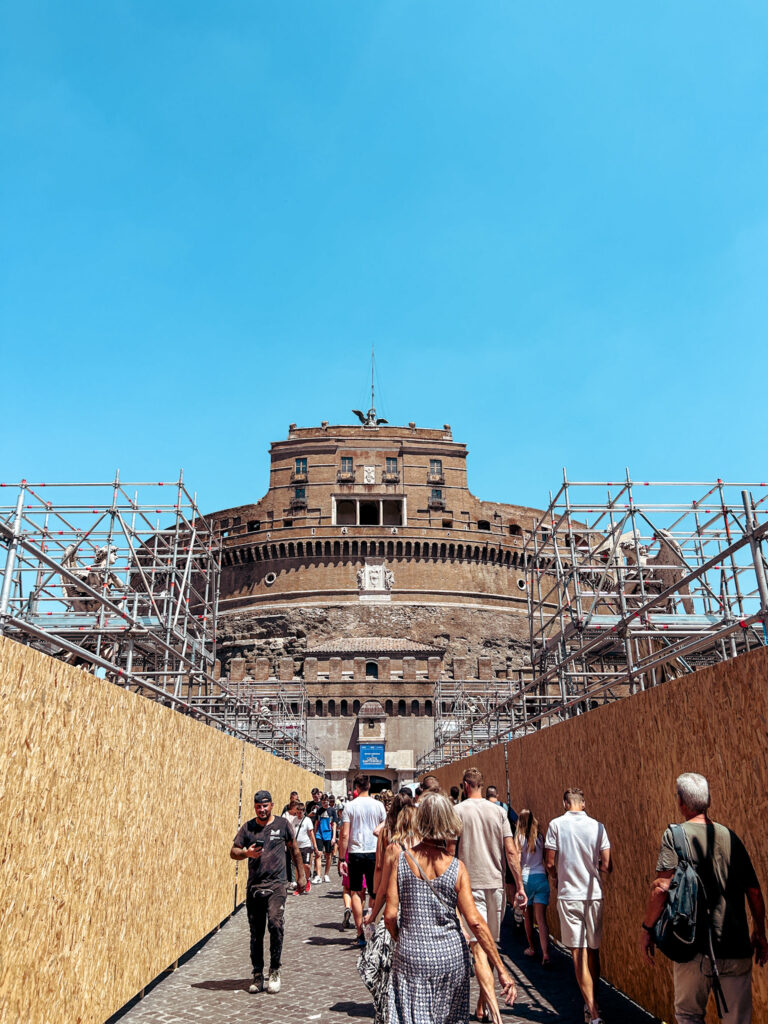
(116, 820)
(626, 757)
(490, 762)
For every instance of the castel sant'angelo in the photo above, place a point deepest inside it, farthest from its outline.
(370, 573)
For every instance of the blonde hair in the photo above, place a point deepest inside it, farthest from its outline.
(436, 818)
(527, 830)
(405, 828)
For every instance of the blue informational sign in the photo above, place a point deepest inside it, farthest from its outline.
(372, 755)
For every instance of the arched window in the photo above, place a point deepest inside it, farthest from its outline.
(336, 548)
(415, 708)
(345, 549)
(408, 549)
(327, 551)
(265, 553)
(291, 551)
(331, 707)
(344, 709)
(355, 706)
(319, 708)
(399, 549)
(401, 707)
(451, 551)
(460, 551)
(354, 549)
(282, 550)
(477, 554)
(390, 549)
(274, 551)
(300, 549)
(294, 708)
(371, 670)
(417, 550)
(363, 548)
(388, 707)
(515, 530)
(434, 551)
(381, 548)
(428, 707)
(443, 551)
(483, 524)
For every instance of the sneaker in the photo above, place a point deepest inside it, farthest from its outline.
(309, 886)
(347, 919)
(327, 878)
(257, 985)
(273, 985)
(361, 943)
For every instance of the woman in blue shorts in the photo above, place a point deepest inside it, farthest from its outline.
(531, 843)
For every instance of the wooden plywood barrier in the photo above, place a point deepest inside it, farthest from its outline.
(490, 762)
(116, 819)
(626, 757)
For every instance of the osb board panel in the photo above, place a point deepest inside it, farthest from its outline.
(490, 762)
(116, 819)
(261, 770)
(626, 757)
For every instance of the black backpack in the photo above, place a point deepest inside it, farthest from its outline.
(675, 931)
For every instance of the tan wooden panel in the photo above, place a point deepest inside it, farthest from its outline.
(116, 820)
(626, 757)
(490, 762)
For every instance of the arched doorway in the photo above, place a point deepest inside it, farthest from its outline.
(371, 670)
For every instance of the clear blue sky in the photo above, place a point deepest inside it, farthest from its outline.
(550, 218)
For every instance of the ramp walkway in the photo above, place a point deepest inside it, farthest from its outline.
(320, 982)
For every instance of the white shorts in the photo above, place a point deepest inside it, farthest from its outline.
(490, 903)
(581, 923)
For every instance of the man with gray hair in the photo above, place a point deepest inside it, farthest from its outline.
(722, 863)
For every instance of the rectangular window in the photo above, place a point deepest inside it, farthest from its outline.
(300, 492)
(435, 467)
(347, 464)
(301, 467)
(391, 465)
(437, 494)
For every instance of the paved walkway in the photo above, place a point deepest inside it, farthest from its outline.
(321, 983)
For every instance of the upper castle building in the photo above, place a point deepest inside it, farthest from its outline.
(370, 571)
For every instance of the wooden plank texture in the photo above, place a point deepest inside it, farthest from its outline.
(116, 819)
(626, 757)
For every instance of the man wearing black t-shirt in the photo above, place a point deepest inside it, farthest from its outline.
(724, 866)
(263, 842)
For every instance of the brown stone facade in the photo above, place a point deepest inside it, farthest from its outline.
(370, 572)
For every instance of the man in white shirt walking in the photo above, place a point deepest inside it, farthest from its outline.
(578, 859)
(486, 845)
(360, 817)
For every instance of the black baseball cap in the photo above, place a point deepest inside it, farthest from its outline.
(263, 797)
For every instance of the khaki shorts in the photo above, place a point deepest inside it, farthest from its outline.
(490, 903)
(581, 923)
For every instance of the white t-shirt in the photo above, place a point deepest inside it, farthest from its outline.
(578, 841)
(303, 830)
(363, 814)
(532, 863)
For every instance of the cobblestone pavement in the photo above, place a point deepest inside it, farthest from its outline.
(321, 983)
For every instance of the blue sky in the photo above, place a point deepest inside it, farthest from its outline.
(551, 220)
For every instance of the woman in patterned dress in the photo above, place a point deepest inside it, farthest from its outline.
(429, 982)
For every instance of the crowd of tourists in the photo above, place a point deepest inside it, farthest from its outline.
(426, 877)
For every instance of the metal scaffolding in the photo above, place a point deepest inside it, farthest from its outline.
(468, 714)
(123, 579)
(629, 584)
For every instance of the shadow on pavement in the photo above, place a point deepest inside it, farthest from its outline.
(224, 984)
(353, 1009)
(547, 994)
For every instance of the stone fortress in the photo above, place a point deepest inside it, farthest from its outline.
(365, 584)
